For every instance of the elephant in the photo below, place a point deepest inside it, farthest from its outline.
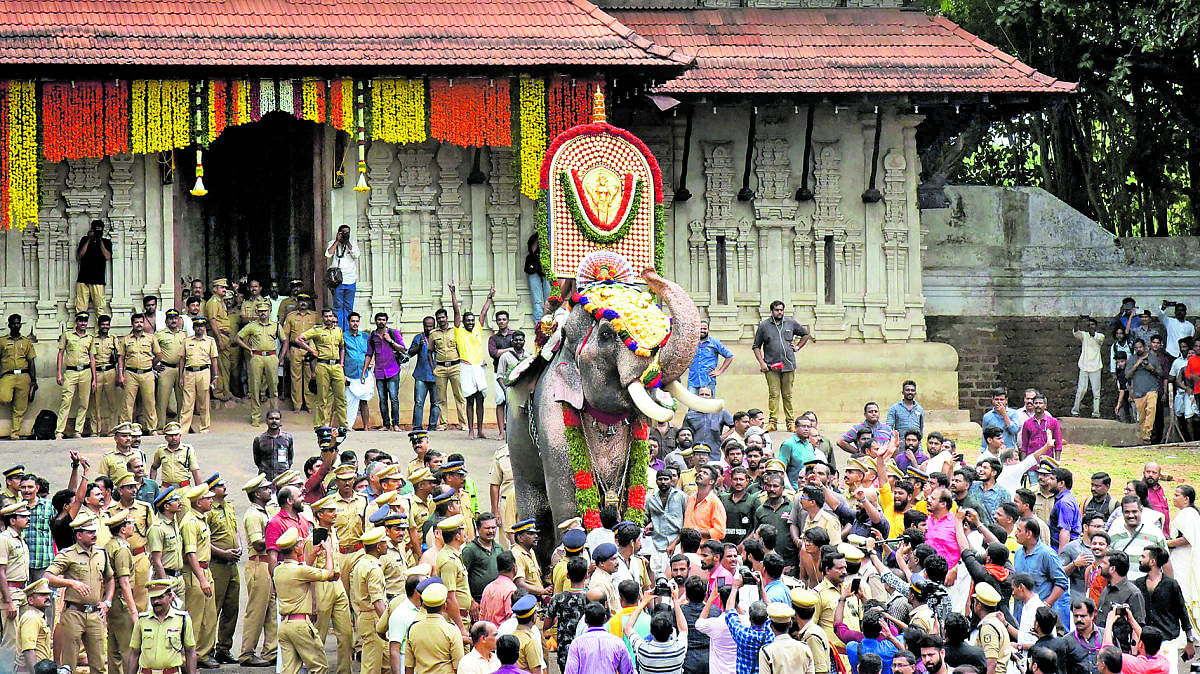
(594, 373)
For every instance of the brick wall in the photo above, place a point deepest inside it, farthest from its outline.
(1018, 352)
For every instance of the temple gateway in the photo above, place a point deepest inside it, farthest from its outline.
(232, 139)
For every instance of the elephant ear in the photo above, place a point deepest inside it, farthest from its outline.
(564, 383)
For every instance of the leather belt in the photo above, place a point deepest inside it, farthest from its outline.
(185, 483)
(168, 670)
(197, 368)
(17, 584)
(173, 572)
(263, 353)
(328, 361)
(175, 364)
(138, 371)
(84, 608)
(77, 368)
(104, 368)
(17, 371)
(137, 551)
(259, 558)
(353, 547)
(448, 363)
(297, 616)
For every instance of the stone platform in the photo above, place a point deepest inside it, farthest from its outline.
(1088, 431)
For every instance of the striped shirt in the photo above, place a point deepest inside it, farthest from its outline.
(652, 656)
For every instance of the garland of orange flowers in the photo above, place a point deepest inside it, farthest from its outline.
(160, 116)
(471, 112)
(398, 110)
(532, 95)
(19, 173)
(217, 104)
(84, 120)
(312, 106)
(341, 105)
(239, 100)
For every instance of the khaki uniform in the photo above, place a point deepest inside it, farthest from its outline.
(220, 329)
(785, 655)
(227, 584)
(114, 464)
(193, 529)
(468, 513)
(434, 646)
(14, 557)
(527, 566)
(446, 370)
(287, 304)
(827, 599)
(142, 517)
(348, 525)
(330, 406)
(333, 608)
(449, 567)
(162, 644)
(366, 588)
(236, 353)
(174, 466)
(295, 325)
(419, 511)
(77, 379)
(994, 640)
(199, 355)
(260, 595)
(501, 475)
(818, 645)
(170, 345)
(164, 538)
(300, 644)
(139, 353)
(33, 634)
(80, 622)
(264, 362)
(120, 616)
(106, 404)
(16, 355)
(530, 655)
(395, 567)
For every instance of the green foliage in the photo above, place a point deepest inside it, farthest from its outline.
(1126, 148)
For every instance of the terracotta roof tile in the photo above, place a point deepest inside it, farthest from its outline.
(758, 50)
(418, 33)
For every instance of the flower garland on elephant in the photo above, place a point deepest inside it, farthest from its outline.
(587, 494)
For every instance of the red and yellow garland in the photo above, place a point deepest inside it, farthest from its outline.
(312, 107)
(587, 494)
(470, 112)
(569, 103)
(160, 119)
(84, 120)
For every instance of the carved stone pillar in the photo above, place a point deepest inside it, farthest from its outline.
(129, 256)
(774, 213)
(504, 227)
(719, 222)
(418, 245)
(379, 272)
(53, 254)
(829, 222)
(453, 221)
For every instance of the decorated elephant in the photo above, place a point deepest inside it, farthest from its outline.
(578, 412)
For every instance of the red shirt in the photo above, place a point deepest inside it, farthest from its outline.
(495, 605)
(280, 523)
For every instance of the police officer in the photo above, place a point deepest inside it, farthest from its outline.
(809, 632)
(114, 464)
(218, 322)
(260, 595)
(529, 572)
(501, 489)
(124, 607)
(105, 407)
(433, 645)
(33, 634)
(200, 372)
(449, 567)
(198, 581)
(258, 338)
(171, 343)
(18, 373)
(226, 553)
(14, 566)
(351, 511)
(784, 655)
(992, 635)
(395, 558)
(86, 574)
(300, 643)
(163, 540)
(420, 506)
(137, 356)
(333, 602)
(163, 638)
(291, 301)
(454, 475)
(326, 345)
(141, 518)
(76, 373)
(175, 460)
(369, 601)
(295, 324)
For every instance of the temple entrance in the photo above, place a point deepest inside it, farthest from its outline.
(257, 219)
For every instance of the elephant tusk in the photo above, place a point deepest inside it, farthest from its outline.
(702, 405)
(646, 404)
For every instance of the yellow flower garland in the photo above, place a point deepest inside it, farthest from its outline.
(533, 133)
(343, 114)
(398, 110)
(241, 103)
(313, 93)
(160, 115)
(22, 154)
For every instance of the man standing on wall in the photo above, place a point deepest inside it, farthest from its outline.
(704, 369)
(138, 355)
(343, 254)
(104, 408)
(1143, 374)
(1089, 364)
(468, 335)
(18, 373)
(775, 344)
(93, 254)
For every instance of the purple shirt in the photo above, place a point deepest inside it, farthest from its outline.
(1034, 435)
(597, 650)
(881, 432)
(1065, 515)
(1158, 501)
(386, 365)
(511, 669)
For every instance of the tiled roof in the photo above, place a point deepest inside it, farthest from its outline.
(321, 33)
(753, 50)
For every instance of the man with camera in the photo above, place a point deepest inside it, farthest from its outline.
(343, 255)
(1090, 363)
(1177, 324)
(93, 254)
(1143, 374)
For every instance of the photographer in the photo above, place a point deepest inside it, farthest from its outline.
(666, 648)
(1090, 363)
(1148, 659)
(1178, 326)
(93, 255)
(343, 254)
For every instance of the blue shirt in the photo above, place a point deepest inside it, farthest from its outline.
(749, 641)
(777, 593)
(706, 428)
(356, 353)
(1043, 566)
(885, 649)
(901, 419)
(991, 419)
(706, 361)
(1065, 515)
(794, 452)
(420, 348)
(990, 499)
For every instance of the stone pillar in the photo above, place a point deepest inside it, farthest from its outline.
(54, 252)
(914, 298)
(129, 253)
(378, 272)
(453, 223)
(85, 199)
(418, 246)
(504, 227)
(718, 222)
(895, 245)
(774, 213)
(828, 221)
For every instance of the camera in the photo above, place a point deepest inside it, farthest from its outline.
(662, 588)
(748, 576)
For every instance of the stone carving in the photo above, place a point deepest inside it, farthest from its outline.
(454, 224)
(773, 170)
(504, 225)
(415, 190)
(718, 182)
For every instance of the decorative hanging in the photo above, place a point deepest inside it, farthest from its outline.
(682, 193)
(532, 109)
(569, 103)
(160, 119)
(746, 194)
(18, 146)
(287, 98)
(398, 110)
(84, 120)
(267, 98)
(803, 193)
(871, 195)
(470, 112)
(199, 190)
(217, 98)
(341, 105)
(361, 185)
(239, 103)
(312, 106)
(587, 494)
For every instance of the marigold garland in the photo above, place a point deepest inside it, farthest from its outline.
(5, 174)
(159, 115)
(217, 103)
(470, 112)
(20, 174)
(569, 103)
(239, 102)
(341, 105)
(587, 498)
(532, 95)
(312, 106)
(581, 221)
(398, 110)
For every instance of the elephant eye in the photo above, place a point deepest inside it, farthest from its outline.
(607, 333)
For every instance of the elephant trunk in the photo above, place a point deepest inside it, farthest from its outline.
(677, 354)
